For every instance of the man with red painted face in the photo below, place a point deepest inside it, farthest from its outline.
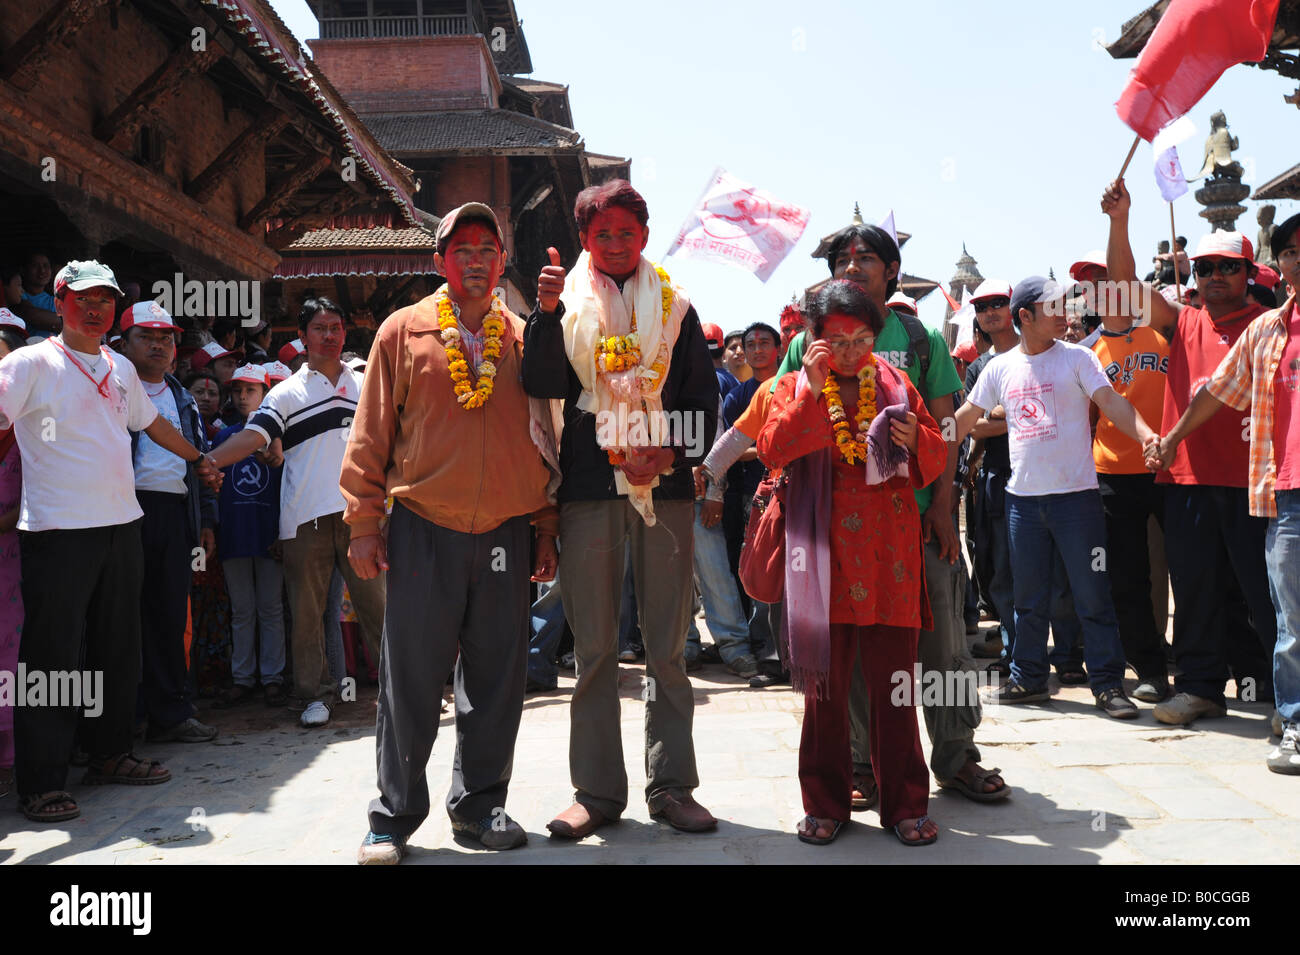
(72, 405)
(869, 256)
(1226, 623)
(469, 486)
(623, 347)
(311, 413)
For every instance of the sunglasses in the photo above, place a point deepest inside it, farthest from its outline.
(988, 304)
(1204, 268)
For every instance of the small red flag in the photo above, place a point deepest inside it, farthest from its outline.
(951, 303)
(1190, 48)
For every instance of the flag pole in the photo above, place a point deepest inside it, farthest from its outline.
(1173, 246)
(1129, 158)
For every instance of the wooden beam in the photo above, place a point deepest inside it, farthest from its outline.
(311, 166)
(384, 289)
(342, 293)
(24, 62)
(252, 141)
(159, 87)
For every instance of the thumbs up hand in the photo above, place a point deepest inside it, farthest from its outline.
(550, 283)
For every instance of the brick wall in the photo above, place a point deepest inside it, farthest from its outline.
(406, 74)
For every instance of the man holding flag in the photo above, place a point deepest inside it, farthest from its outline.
(1211, 537)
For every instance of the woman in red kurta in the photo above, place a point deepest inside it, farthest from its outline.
(855, 582)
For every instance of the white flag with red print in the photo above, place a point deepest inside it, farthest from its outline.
(735, 223)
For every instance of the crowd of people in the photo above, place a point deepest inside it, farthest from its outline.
(475, 486)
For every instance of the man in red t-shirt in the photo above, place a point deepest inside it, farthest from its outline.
(1215, 547)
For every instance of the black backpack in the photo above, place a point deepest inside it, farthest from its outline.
(918, 341)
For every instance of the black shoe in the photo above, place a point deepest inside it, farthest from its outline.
(769, 679)
(1115, 704)
(710, 654)
(1000, 666)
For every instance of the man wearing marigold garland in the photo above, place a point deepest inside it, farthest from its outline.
(622, 346)
(453, 449)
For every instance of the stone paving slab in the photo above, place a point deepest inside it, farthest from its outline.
(1086, 790)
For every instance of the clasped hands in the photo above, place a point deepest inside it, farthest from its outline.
(1158, 453)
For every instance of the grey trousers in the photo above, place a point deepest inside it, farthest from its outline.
(592, 536)
(450, 592)
(943, 650)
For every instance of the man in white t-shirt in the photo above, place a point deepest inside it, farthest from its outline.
(311, 413)
(72, 404)
(1053, 505)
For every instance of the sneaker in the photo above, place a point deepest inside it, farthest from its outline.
(568, 661)
(1151, 691)
(186, 731)
(1275, 725)
(1184, 707)
(1116, 705)
(627, 655)
(744, 666)
(380, 849)
(316, 714)
(498, 831)
(1285, 757)
(1013, 692)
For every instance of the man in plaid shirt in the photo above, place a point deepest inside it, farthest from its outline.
(1262, 372)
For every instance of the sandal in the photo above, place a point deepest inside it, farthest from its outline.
(37, 807)
(810, 823)
(865, 792)
(1072, 674)
(920, 840)
(126, 769)
(974, 787)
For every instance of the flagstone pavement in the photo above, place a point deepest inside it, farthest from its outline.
(1086, 790)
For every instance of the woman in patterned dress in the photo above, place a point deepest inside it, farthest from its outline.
(855, 579)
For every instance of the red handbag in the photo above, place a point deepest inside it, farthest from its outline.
(762, 556)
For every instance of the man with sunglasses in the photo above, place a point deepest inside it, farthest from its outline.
(1262, 373)
(1225, 618)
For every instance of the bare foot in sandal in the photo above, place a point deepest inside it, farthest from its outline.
(915, 831)
(54, 806)
(981, 780)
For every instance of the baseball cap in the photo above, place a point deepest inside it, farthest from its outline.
(79, 276)
(966, 352)
(1266, 277)
(899, 300)
(357, 364)
(1095, 257)
(277, 371)
(1034, 291)
(1225, 245)
(291, 351)
(255, 374)
(468, 211)
(713, 335)
(1283, 234)
(147, 315)
(992, 288)
(210, 353)
(9, 320)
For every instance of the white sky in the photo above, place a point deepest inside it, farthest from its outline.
(988, 123)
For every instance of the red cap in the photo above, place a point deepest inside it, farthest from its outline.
(966, 352)
(1267, 278)
(210, 353)
(1225, 245)
(713, 334)
(291, 351)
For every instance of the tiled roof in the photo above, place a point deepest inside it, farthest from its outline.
(466, 131)
(377, 238)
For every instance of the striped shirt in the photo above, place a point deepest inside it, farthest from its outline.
(1245, 379)
(313, 420)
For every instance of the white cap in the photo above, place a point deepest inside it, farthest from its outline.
(992, 288)
(899, 300)
(10, 320)
(254, 374)
(1228, 245)
(357, 364)
(277, 371)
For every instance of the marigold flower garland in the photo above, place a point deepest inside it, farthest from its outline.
(615, 353)
(470, 396)
(852, 448)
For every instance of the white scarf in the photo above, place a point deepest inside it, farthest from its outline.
(594, 308)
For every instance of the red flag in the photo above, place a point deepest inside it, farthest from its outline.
(951, 303)
(1191, 46)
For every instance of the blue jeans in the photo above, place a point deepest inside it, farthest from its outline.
(547, 629)
(335, 659)
(1282, 551)
(1067, 638)
(1072, 527)
(722, 607)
